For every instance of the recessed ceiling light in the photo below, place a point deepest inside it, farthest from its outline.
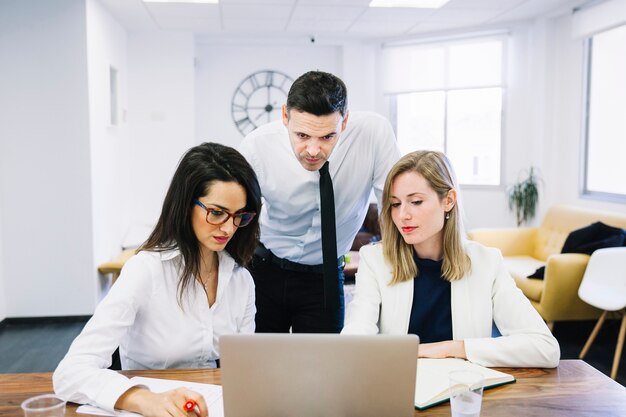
(182, 1)
(420, 4)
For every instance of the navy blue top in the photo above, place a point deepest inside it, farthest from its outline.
(431, 314)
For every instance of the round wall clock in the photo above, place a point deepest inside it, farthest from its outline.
(258, 99)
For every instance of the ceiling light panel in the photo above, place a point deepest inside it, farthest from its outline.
(182, 1)
(419, 4)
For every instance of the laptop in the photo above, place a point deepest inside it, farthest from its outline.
(314, 375)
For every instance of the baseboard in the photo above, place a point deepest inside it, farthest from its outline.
(43, 320)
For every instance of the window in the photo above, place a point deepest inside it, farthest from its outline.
(606, 106)
(448, 97)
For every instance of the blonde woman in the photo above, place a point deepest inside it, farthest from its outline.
(426, 279)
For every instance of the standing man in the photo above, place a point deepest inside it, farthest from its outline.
(298, 267)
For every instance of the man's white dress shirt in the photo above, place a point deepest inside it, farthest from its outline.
(142, 316)
(291, 219)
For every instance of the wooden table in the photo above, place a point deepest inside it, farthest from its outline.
(574, 389)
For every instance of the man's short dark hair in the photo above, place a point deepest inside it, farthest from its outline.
(319, 93)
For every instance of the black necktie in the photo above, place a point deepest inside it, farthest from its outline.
(329, 241)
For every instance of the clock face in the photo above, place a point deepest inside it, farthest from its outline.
(258, 99)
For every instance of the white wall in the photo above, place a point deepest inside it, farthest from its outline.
(523, 138)
(180, 92)
(89, 182)
(45, 178)
(71, 186)
(488, 207)
(220, 67)
(542, 110)
(565, 121)
(161, 116)
(110, 145)
(544, 120)
(3, 305)
(360, 75)
(542, 125)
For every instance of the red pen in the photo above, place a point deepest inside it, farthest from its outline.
(189, 405)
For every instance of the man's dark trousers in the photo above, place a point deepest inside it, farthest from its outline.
(293, 300)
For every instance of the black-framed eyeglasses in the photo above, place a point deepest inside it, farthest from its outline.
(217, 216)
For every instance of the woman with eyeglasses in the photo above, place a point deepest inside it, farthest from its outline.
(185, 287)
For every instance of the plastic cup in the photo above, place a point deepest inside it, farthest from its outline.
(466, 393)
(47, 405)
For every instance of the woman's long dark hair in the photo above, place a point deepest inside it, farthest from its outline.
(197, 170)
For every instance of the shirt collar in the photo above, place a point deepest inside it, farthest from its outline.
(169, 254)
(226, 261)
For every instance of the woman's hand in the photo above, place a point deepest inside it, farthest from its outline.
(439, 350)
(165, 404)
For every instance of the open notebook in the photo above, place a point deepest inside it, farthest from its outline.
(432, 383)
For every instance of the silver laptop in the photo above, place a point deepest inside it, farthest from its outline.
(315, 375)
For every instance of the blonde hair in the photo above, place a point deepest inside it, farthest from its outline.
(436, 169)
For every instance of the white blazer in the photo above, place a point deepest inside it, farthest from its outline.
(486, 295)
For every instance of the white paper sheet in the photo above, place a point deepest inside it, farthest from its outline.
(212, 395)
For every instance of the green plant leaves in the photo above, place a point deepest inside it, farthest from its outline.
(523, 198)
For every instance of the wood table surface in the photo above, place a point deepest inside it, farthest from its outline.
(573, 389)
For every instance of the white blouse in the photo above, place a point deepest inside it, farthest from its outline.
(141, 314)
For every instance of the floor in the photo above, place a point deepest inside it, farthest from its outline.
(38, 345)
(573, 335)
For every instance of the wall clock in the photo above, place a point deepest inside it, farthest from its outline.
(258, 99)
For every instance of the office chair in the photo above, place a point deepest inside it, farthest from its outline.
(604, 286)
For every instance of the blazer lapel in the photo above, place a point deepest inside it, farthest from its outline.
(461, 309)
(403, 294)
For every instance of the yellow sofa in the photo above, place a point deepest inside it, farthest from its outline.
(525, 249)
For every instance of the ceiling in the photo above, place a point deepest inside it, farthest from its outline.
(326, 19)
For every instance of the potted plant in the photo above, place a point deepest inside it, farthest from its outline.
(524, 196)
